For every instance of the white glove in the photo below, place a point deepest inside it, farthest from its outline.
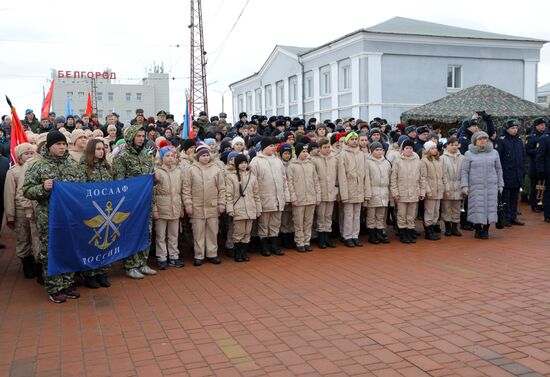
(465, 191)
(500, 190)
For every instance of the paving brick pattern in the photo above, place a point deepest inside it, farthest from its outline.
(458, 307)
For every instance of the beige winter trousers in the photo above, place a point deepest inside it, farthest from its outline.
(352, 218)
(242, 230)
(302, 217)
(167, 239)
(26, 235)
(269, 224)
(323, 217)
(287, 225)
(205, 232)
(376, 217)
(431, 211)
(406, 213)
(450, 210)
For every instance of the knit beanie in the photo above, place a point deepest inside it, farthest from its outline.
(54, 137)
(266, 142)
(300, 148)
(407, 143)
(210, 141)
(231, 155)
(239, 159)
(282, 148)
(237, 140)
(77, 134)
(201, 150)
(429, 145)
(401, 139)
(186, 144)
(374, 131)
(350, 135)
(163, 151)
(375, 145)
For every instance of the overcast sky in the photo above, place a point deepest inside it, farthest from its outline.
(36, 36)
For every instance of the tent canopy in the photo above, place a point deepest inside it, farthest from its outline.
(454, 108)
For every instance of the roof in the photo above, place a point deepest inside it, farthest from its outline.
(458, 106)
(543, 89)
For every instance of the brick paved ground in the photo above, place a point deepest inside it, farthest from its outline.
(458, 307)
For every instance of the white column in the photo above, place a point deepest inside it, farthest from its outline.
(334, 89)
(263, 98)
(355, 85)
(374, 81)
(286, 90)
(316, 88)
(300, 95)
(253, 104)
(274, 98)
(530, 80)
(235, 110)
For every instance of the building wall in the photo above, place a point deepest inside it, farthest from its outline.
(153, 95)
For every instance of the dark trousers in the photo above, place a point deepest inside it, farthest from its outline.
(546, 199)
(510, 197)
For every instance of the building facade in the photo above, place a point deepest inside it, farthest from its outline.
(151, 94)
(385, 70)
(543, 95)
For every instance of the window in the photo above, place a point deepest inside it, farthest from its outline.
(280, 93)
(128, 97)
(240, 104)
(138, 96)
(70, 95)
(309, 87)
(454, 77)
(541, 99)
(325, 82)
(99, 96)
(249, 108)
(293, 90)
(268, 96)
(111, 96)
(345, 77)
(258, 101)
(81, 96)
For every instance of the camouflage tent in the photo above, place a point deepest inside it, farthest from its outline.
(452, 110)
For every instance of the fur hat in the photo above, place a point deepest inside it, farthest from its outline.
(478, 135)
(407, 143)
(239, 159)
(77, 134)
(54, 137)
(23, 148)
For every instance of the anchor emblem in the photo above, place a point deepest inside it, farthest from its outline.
(110, 219)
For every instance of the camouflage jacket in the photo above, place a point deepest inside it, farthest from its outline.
(100, 173)
(131, 162)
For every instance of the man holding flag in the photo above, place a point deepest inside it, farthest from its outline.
(55, 164)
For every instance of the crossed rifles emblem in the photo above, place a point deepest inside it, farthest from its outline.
(110, 219)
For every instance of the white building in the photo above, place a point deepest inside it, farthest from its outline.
(543, 95)
(151, 94)
(387, 69)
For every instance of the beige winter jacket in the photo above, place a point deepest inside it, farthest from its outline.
(327, 171)
(452, 167)
(303, 182)
(203, 190)
(393, 153)
(245, 207)
(379, 174)
(272, 181)
(76, 155)
(13, 193)
(353, 176)
(406, 179)
(432, 172)
(169, 193)
(185, 162)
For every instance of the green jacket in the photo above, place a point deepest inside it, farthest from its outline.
(131, 162)
(98, 174)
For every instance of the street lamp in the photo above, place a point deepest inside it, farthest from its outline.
(222, 93)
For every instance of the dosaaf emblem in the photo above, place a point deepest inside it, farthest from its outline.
(110, 219)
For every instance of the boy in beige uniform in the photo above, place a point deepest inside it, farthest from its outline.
(18, 213)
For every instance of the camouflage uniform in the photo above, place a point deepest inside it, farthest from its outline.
(98, 174)
(133, 163)
(59, 169)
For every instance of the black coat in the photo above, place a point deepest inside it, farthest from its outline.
(531, 145)
(512, 158)
(542, 158)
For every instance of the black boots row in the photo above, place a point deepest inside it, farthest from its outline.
(377, 236)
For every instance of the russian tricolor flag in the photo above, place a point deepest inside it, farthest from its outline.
(187, 132)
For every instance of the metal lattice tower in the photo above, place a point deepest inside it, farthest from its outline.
(198, 91)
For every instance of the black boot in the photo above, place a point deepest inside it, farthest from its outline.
(103, 280)
(321, 240)
(477, 233)
(381, 236)
(454, 230)
(39, 273)
(328, 241)
(412, 235)
(286, 241)
(485, 231)
(237, 251)
(28, 267)
(437, 228)
(244, 252)
(91, 282)
(404, 236)
(448, 229)
(372, 237)
(266, 247)
(430, 234)
(275, 249)
(291, 242)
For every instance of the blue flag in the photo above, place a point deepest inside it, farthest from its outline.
(69, 108)
(94, 224)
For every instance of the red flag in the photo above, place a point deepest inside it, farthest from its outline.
(47, 102)
(89, 109)
(18, 135)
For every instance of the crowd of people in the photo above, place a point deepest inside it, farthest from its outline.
(269, 184)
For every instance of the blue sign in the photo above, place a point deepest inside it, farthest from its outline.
(94, 224)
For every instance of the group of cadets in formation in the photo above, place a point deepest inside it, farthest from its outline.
(273, 183)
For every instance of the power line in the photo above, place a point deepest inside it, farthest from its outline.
(92, 43)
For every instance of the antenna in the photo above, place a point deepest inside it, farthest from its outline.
(198, 92)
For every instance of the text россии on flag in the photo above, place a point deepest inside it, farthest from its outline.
(94, 224)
